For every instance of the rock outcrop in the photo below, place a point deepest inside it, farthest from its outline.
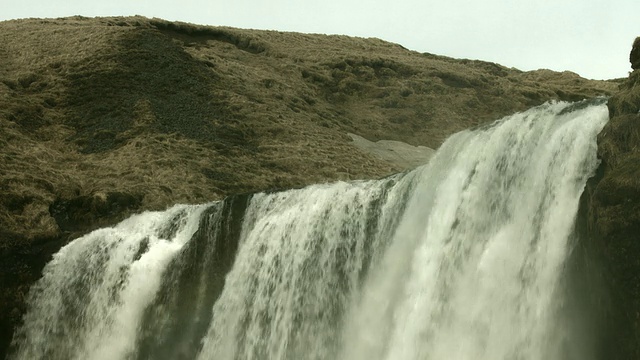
(634, 57)
(105, 117)
(613, 207)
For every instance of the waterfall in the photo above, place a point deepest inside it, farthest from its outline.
(462, 258)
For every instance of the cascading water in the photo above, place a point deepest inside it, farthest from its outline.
(459, 259)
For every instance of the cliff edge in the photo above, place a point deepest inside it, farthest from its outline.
(614, 211)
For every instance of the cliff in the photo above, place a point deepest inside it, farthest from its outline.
(613, 207)
(109, 116)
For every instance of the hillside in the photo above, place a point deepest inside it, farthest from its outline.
(108, 116)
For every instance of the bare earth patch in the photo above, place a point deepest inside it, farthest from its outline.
(396, 152)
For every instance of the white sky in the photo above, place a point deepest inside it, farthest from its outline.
(589, 37)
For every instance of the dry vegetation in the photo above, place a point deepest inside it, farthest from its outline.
(170, 112)
(103, 117)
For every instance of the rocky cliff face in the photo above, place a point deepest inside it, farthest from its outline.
(104, 117)
(613, 205)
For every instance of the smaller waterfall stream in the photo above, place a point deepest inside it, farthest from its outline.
(459, 259)
(95, 289)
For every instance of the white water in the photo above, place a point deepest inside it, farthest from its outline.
(459, 259)
(95, 289)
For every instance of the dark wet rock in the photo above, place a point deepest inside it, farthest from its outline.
(612, 201)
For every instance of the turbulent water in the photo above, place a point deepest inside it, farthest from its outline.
(463, 258)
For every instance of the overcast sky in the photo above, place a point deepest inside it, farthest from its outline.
(589, 37)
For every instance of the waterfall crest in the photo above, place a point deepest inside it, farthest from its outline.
(461, 258)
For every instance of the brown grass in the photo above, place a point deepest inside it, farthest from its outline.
(177, 112)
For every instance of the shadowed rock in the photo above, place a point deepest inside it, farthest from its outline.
(634, 57)
(612, 202)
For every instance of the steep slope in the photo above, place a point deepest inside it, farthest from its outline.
(108, 116)
(613, 207)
